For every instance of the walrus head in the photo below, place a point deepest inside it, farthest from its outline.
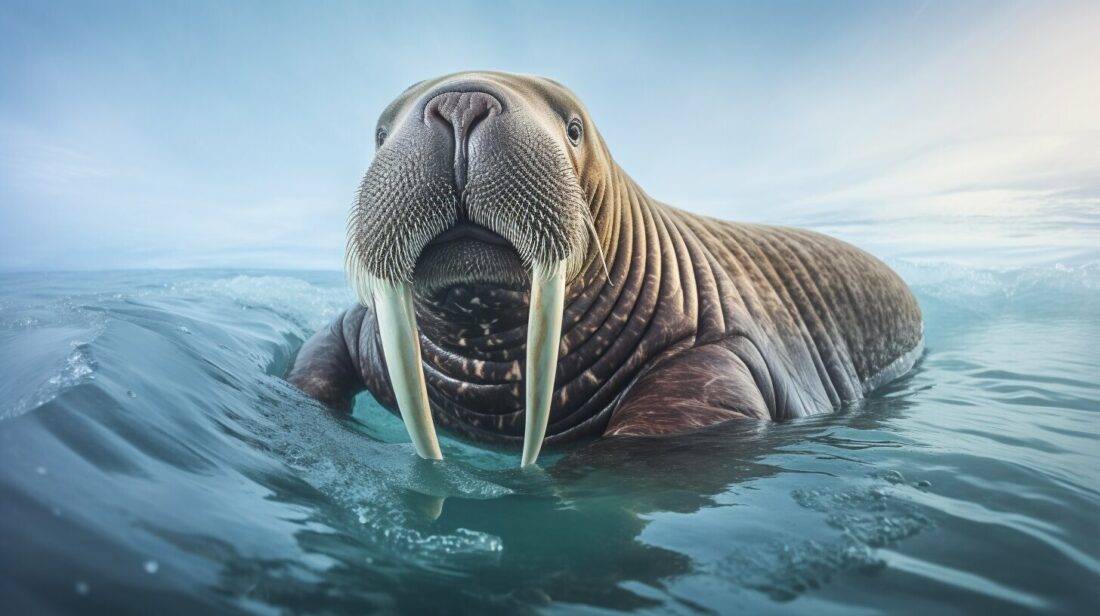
(480, 180)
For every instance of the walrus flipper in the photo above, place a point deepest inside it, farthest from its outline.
(326, 367)
(698, 388)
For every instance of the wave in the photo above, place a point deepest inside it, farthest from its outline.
(153, 451)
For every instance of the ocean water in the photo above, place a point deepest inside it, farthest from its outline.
(152, 460)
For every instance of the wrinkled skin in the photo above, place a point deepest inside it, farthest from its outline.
(673, 322)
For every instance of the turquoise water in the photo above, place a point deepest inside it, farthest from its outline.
(151, 459)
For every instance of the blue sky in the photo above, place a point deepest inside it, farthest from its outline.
(158, 134)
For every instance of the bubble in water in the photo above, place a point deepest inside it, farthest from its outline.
(462, 541)
(151, 566)
(41, 470)
(82, 587)
(894, 477)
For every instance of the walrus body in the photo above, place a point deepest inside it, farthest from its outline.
(671, 322)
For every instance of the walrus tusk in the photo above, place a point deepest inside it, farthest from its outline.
(401, 347)
(543, 339)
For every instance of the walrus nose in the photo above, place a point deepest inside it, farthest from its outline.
(462, 111)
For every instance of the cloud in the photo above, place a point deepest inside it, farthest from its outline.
(235, 136)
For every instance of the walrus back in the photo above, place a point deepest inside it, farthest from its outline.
(821, 296)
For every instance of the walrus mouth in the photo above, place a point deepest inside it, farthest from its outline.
(469, 231)
(393, 305)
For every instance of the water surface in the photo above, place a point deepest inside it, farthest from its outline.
(152, 459)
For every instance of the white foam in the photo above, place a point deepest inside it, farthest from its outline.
(896, 368)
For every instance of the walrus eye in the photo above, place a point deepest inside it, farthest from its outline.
(574, 131)
(379, 137)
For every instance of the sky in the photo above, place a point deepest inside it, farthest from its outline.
(234, 134)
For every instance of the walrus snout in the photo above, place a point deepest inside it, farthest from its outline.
(461, 113)
(472, 148)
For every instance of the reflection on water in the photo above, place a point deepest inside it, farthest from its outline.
(151, 458)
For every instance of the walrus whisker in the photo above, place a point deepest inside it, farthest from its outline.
(591, 226)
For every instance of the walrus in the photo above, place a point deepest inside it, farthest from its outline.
(517, 287)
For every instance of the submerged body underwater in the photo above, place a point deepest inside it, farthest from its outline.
(153, 457)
